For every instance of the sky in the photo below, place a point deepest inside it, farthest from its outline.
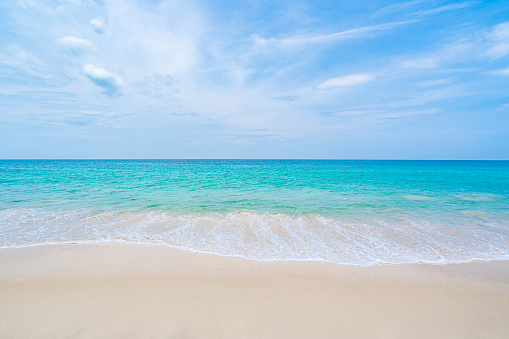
(365, 79)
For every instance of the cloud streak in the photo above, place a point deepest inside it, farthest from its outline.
(498, 40)
(444, 8)
(75, 42)
(503, 72)
(354, 33)
(345, 81)
(398, 7)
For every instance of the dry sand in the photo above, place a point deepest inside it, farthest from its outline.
(125, 290)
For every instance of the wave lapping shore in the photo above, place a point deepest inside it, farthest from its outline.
(345, 212)
(265, 237)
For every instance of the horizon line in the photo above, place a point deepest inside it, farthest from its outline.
(187, 159)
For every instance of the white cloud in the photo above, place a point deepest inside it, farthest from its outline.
(503, 107)
(398, 7)
(499, 39)
(18, 59)
(424, 62)
(444, 8)
(437, 82)
(459, 50)
(329, 38)
(408, 114)
(162, 38)
(285, 98)
(75, 42)
(504, 71)
(491, 44)
(177, 61)
(108, 81)
(434, 95)
(48, 6)
(98, 25)
(347, 80)
(356, 112)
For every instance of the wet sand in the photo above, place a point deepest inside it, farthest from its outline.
(126, 290)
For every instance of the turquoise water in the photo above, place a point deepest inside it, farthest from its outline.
(350, 212)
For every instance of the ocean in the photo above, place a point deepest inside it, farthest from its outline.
(351, 212)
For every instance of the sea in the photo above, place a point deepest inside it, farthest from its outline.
(353, 212)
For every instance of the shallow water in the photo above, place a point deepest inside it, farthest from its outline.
(350, 212)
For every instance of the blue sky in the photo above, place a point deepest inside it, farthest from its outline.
(420, 79)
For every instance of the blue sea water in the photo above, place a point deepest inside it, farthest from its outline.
(342, 211)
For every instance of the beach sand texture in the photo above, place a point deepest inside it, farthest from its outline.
(147, 291)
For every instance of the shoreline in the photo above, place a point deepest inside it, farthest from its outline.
(118, 289)
(185, 249)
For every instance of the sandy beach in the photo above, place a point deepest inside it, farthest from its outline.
(126, 290)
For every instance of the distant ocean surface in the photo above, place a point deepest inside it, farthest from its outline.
(341, 211)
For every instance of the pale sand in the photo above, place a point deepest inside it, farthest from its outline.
(123, 290)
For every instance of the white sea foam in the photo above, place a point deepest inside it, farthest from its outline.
(266, 237)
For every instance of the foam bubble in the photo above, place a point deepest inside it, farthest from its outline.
(267, 236)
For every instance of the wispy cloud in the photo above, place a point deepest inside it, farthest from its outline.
(492, 43)
(498, 41)
(75, 42)
(109, 82)
(455, 51)
(16, 56)
(503, 107)
(408, 114)
(436, 82)
(98, 25)
(285, 98)
(354, 33)
(398, 7)
(347, 80)
(48, 6)
(444, 8)
(503, 71)
(432, 61)
(205, 77)
(420, 98)
(54, 108)
(357, 112)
